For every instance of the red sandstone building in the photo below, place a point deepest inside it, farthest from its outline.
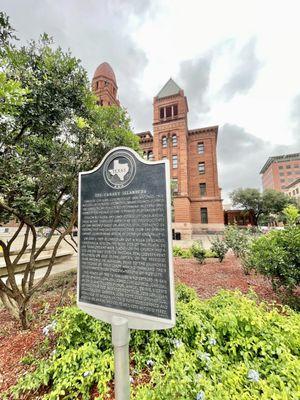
(192, 154)
(280, 171)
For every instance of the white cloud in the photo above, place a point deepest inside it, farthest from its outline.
(245, 50)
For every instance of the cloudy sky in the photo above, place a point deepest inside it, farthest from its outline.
(238, 62)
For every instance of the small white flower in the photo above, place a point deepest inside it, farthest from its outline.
(150, 363)
(48, 328)
(53, 324)
(53, 352)
(200, 395)
(253, 375)
(87, 373)
(131, 380)
(212, 342)
(204, 356)
(177, 343)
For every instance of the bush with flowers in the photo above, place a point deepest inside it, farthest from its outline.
(225, 348)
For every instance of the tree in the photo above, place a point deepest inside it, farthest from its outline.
(266, 203)
(46, 140)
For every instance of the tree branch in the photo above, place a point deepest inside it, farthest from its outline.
(10, 271)
(15, 235)
(32, 259)
(48, 271)
(6, 289)
(69, 243)
(24, 247)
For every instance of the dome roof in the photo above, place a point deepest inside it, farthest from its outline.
(105, 70)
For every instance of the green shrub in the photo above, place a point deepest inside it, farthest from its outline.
(210, 254)
(180, 252)
(291, 214)
(188, 253)
(219, 247)
(277, 255)
(236, 239)
(228, 347)
(198, 251)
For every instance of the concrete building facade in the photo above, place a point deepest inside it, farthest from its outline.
(197, 203)
(280, 171)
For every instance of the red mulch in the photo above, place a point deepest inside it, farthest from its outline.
(16, 343)
(207, 279)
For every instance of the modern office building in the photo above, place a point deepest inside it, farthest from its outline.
(280, 171)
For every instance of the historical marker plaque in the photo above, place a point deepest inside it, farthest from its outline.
(125, 257)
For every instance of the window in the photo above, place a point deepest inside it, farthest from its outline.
(168, 112)
(289, 173)
(297, 190)
(202, 187)
(164, 141)
(204, 216)
(174, 185)
(201, 167)
(150, 156)
(282, 180)
(280, 167)
(164, 158)
(296, 166)
(145, 155)
(175, 161)
(281, 173)
(201, 148)
(288, 166)
(174, 140)
(97, 84)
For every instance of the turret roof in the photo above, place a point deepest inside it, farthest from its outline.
(170, 89)
(105, 70)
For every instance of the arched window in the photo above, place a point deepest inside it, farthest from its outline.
(174, 140)
(164, 141)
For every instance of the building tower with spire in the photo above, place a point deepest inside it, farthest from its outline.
(192, 154)
(193, 162)
(104, 85)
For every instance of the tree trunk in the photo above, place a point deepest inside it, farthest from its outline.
(23, 316)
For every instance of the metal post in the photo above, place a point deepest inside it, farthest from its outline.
(120, 340)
